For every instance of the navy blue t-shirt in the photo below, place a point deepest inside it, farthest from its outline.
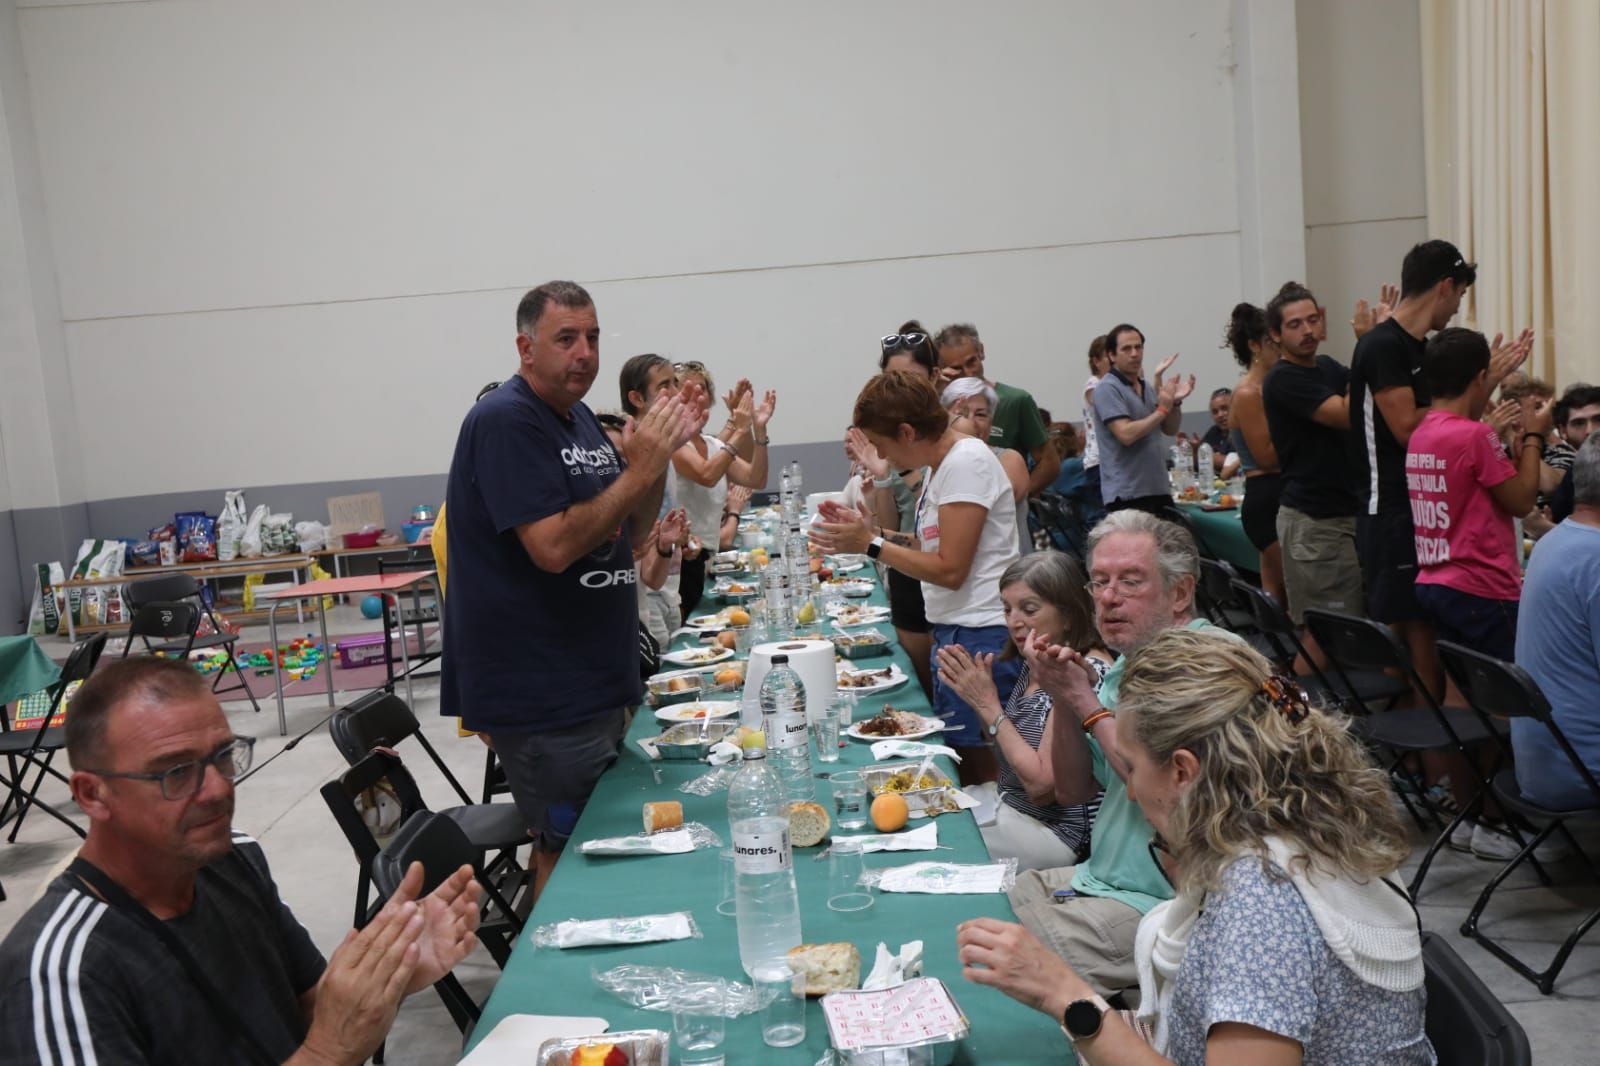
(527, 650)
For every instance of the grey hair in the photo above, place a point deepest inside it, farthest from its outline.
(1586, 473)
(955, 333)
(1057, 578)
(961, 388)
(1176, 554)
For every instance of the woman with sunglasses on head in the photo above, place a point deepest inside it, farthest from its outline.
(706, 465)
(890, 495)
(1289, 941)
(1044, 595)
(965, 526)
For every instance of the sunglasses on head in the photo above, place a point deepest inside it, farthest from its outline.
(895, 342)
(690, 366)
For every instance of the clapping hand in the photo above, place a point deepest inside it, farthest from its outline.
(740, 390)
(1063, 673)
(1504, 417)
(1365, 318)
(763, 410)
(671, 529)
(972, 678)
(841, 531)
(1162, 368)
(671, 421)
(1506, 356)
(738, 499)
(862, 451)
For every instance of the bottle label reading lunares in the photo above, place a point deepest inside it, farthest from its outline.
(788, 730)
(761, 853)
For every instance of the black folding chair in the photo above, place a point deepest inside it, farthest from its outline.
(1465, 1023)
(1505, 690)
(1361, 647)
(34, 749)
(381, 721)
(1057, 516)
(178, 642)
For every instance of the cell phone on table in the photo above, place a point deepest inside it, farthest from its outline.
(1061, 895)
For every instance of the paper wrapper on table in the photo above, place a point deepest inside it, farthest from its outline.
(889, 969)
(923, 838)
(640, 929)
(910, 749)
(946, 878)
(813, 660)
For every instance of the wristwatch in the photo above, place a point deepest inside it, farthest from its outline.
(994, 726)
(1083, 1017)
(875, 548)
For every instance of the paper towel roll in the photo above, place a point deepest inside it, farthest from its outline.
(813, 660)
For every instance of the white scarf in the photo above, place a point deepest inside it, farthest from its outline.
(1369, 926)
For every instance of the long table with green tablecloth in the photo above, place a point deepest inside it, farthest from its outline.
(1221, 533)
(549, 981)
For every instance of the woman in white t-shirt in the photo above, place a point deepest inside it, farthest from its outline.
(965, 522)
(971, 403)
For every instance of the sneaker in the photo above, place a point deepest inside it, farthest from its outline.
(1495, 846)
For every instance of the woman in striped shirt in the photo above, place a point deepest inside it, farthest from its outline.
(1043, 592)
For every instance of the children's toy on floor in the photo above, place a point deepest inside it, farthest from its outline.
(299, 659)
(213, 661)
(372, 607)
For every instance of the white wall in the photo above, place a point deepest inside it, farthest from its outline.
(302, 227)
(1361, 147)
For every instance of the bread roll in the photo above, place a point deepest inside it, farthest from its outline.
(808, 824)
(828, 967)
(665, 815)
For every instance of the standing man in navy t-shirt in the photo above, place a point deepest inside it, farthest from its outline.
(541, 635)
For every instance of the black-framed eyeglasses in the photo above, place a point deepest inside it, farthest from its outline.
(183, 781)
(896, 342)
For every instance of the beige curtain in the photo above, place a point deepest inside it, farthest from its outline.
(1511, 110)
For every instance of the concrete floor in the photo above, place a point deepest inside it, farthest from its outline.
(315, 872)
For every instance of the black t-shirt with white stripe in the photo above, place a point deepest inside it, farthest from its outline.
(82, 982)
(1387, 357)
(1030, 712)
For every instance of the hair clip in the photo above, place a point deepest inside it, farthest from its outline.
(1287, 696)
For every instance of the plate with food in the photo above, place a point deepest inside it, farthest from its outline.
(697, 656)
(902, 725)
(699, 711)
(868, 681)
(735, 590)
(855, 614)
(846, 564)
(854, 587)
(723, 619)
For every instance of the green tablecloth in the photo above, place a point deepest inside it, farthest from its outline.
(24, 668)
(560, 982)
(1223, 534)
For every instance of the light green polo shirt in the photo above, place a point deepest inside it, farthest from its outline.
(1120, 866)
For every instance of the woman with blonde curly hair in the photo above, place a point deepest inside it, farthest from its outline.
(1289, 940)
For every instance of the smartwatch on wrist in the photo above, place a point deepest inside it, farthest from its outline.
(1083, 1017)
(875, 548)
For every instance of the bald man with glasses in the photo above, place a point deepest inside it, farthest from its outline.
(166, 939)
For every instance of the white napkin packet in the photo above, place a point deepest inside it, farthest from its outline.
(949, 878)
(910, 749)
(642, 929)
(671, 842)
(923, 838)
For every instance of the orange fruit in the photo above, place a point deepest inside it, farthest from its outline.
(1225, 500)
(728, 639)
(889, 812)
(738, 617)
(728, 675)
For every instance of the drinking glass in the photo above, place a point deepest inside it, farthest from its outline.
(843, 707)
(699, 1021)
(782, 991)
(849, 799)
(845, 867)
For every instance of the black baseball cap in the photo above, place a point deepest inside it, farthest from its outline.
(1431, 262)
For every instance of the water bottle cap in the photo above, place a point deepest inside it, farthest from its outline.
(779, 660)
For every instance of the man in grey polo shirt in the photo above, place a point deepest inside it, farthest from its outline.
(1131, 421)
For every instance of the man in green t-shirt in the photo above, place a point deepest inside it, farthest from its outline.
(1142, 574)
(1017, 423)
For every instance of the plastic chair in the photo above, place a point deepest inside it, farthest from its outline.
(178, 643)
(36, 748)
(1359, 645)
(1465, 1023)
(1496, 688)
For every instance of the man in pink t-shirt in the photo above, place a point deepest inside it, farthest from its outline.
(1465, 494)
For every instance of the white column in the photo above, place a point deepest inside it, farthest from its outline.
(1272, 237)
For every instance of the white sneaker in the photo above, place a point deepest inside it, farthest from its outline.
(1492, 844)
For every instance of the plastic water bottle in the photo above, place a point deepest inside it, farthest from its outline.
(786, 495)
(795, 550)
(780, 607)
(783, 716)
(1203, 464)
(797, 482)
(766, 902)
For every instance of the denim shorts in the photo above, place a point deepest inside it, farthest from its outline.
(551, 774)
(965, 728)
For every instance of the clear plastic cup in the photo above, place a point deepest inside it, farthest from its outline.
(843, 707)
(783, 996)
(849, 799)
(845, 867)
(699, 1022)
(727, 895)
(826, 732)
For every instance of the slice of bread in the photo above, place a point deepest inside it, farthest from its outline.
(808, 824)
(828, 967)
(659, 816)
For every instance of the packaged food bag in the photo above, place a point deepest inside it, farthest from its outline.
(49, 600)
(197, 536)
(96, 558)
(277, 535)
(250, 541)
(311, 536)
(230, 524)
(166, 542)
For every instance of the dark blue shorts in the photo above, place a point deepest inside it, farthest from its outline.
(965, 729)
(1487, 626)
